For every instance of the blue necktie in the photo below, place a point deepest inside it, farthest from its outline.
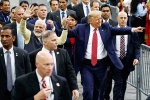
(20, 40)
(63, 14)
(54, 72)
(9, 73)
(87, 10)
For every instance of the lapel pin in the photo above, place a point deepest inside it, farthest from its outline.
(57, 84)
(16, 54)
(102, 30)
(57, 52)
(1, 54)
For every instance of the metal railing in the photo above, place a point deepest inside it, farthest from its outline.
(140, 78)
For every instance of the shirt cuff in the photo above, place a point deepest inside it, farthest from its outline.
(53, 29)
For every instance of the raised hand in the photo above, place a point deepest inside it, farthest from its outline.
(65, 23)
(28, 13)
(50, 22)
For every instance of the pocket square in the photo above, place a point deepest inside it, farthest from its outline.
(57, 84)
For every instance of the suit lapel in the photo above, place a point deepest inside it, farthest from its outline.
(17, 59)
(58, 17)
(86, 35)
(102, 34)
(57, 53)
(56, 86)
(34, 83)
(2, 60)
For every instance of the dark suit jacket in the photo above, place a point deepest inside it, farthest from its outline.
(79, 11)
(48, 26)
(55, 16)
(14, 27)
(81, 34)
(133, 50)
(111, 22)
(27, 86)
(3, 18)
(22, 66)
(64, 66)
(70, 7)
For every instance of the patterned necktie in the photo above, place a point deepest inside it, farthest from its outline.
(122, 47)
(94, 49)
(44, 85)
(9, 72)
(63, 14)
(54, 72)
(20, 40)
(87, 10)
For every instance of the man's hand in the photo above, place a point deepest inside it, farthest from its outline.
(28, 13)
(50, 22)
(135, 62)
(65, 23)
(42, 94)
(138, 29)
(75, 95)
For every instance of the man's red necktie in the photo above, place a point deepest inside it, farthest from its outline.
(94, 49)
(44, 85)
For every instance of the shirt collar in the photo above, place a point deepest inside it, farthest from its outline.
(44, 49)
(84, 6)
(42, 20)
(40, 78)
(92, 28)
(11, 50)
(119, 26)
(63, 11)
(105, 20)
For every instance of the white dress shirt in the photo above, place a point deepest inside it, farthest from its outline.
(118, 44)
(54, 57)
(12, 62)
(65, 15)
(48, 84)
(84, 8)
(101, 51)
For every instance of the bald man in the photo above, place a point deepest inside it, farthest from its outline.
(128, 55)
(41, 84)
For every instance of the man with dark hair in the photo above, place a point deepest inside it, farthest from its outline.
(4, 14)
(61, 13)
(106, 13)
(41, 84)
(73, 3)
(53, 5)
(14, 62)
(94, 5)
(82, 9)
(24, 4)
(35, 11)
(12, 17)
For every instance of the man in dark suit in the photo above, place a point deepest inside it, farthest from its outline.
(62, 63)
(51, 87)
(42, 14)
(4, 14)
(128, 53)
(19, 41)
(73, 3)
(94, 5)
(82, 9)
(14, 62)
(61, 13)
(53, 6)
(92, 48)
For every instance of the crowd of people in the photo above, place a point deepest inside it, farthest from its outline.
(42, 52)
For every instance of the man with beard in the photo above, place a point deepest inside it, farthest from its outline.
(33, 39)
